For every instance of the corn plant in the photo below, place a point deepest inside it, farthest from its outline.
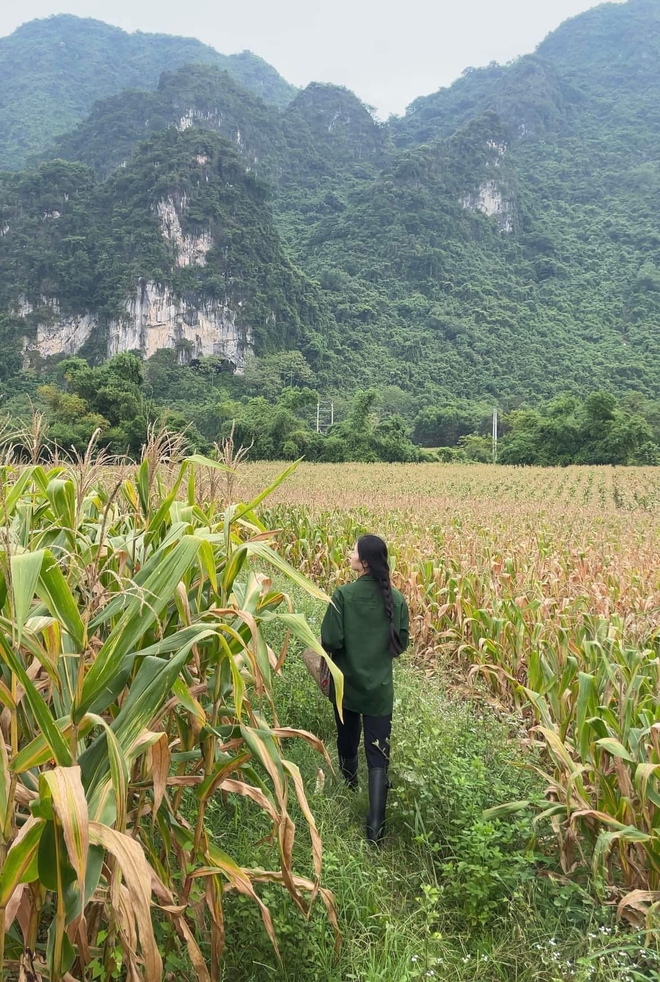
(135, 685)
(554, 606)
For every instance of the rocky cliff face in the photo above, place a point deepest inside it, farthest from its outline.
(190, 250)
(154, 317)
(492, 198)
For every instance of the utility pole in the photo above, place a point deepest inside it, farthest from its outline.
(325, 416)
(494, 436)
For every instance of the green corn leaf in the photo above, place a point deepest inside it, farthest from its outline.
(142, 485)
(122, 600)
(598, 725)
(118, 769)
(232, 569)
(263, 747)
(505, 811)
(559, 751)
(207, 560)
(157, 591)
(244, 509)
(180, 690)
(58, 745)
(643, 774)
(15, 492)
(53, 589)
(615, 748)
(25, 570)
(62, 497)
(60, 953)
(38, 752)
(263, 551)
(19, 861)
(584, 700)
(156, 521)
(149, 690)
(202, 461)
(5, 781)
(299, 627)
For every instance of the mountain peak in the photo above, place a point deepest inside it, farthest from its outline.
(605, 36)
(63, 64)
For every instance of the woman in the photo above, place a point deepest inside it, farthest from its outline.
(364, 628)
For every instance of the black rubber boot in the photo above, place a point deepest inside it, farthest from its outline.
(349, 768)
(378, 785)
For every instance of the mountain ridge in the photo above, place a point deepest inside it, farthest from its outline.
(498, 242)
(53, 70)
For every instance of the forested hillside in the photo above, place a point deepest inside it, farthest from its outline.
(53, 70)
(184, 214)
(500, 243)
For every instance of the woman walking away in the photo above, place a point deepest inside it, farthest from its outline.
(364, 628)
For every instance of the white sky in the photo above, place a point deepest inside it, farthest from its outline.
(386, 51)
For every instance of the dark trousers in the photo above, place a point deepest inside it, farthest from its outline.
(377, 730)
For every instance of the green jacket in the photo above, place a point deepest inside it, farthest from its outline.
(355, 631)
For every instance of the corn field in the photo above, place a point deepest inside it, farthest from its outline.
(135, 679)
(546, 585)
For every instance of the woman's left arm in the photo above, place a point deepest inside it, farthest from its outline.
(404, 629)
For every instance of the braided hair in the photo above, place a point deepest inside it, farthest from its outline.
(373, 553)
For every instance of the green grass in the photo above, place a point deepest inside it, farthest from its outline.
(449, 895)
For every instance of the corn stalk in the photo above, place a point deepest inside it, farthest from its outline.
(134, 673)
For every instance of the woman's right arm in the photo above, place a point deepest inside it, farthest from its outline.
(332, 628)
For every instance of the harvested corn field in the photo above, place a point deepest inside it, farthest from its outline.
(546, 585)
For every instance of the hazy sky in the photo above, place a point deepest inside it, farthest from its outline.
(387, 51)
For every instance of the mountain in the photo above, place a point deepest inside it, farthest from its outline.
(324, 131)
(176, 250)
(499, 242)
(53, 70)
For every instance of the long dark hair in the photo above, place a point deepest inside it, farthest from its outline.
(373, 551)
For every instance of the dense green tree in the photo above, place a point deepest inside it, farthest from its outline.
(565, 431)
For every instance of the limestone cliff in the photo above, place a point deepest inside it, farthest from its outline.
(154, 317)
(491, 197)
(176, 250)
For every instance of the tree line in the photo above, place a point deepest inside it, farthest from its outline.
(272, 410)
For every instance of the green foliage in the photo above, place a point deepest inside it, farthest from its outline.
(285, 430)
(567, 431)
(160, 603)
(89, 247)
(53, 70)
(108, 398)
(445, 425)
(497, 245)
